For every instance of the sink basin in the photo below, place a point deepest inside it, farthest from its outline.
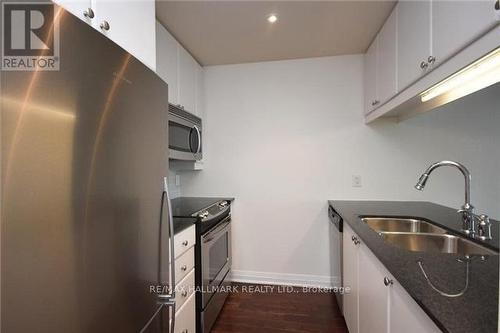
(441, 243)
(394, 224)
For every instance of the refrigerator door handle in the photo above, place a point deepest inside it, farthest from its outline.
(171, 236)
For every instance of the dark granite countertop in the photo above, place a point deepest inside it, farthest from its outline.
(182, 223)
(477, 309)
(184, 207)
(187, 206)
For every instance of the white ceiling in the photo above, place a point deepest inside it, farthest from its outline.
(228, 32)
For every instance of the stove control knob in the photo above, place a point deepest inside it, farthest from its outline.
(203, 214)
(222, 204)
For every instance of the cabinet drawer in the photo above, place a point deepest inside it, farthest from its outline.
(183, 241)
(184, 289)
(184, 264)
(185, 318)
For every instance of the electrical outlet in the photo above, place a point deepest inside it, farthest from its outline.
(177, 180)
(356, 181)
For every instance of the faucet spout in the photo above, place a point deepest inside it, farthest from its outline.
(467, 209)
(425, 176)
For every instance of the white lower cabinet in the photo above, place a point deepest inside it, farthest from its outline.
(185, 311)
(405, 315)
(185, 317)
(350, 279)
(377, 302)
(373, 294)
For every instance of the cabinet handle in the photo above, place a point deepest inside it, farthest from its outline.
(184, 293)
(431, 60)
(105, 25)
(388, 281)
(353, 238)
(424, 65)
(356, 242)
(497, 5)
(184, 268)
(185, 243)
(375, 102)
(185, 331)
(89, 13)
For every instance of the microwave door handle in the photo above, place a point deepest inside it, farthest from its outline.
(189, 140)
(198, 135)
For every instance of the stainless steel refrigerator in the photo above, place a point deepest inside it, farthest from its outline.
(85, 223)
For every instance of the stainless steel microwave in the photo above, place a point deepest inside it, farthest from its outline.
(184, 135)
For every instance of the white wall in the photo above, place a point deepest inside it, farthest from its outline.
(283, 137)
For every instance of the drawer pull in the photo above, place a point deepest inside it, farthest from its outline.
(185, 243)
(184, 268)
(387, 281)
(185, 331)
(184, 293)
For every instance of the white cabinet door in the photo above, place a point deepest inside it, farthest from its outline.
(131, 25)
(187, 80)
(455, 24)
(371, 77)
(387, 59)
(405, 315)
(200, 92)
(414, 39)
(350, 279)
(77, 8)
(373, 294)
(167, 59)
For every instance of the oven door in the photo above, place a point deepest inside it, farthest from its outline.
(184, 139)
(215, 258)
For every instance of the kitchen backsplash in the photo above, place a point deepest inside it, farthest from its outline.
(175, 190)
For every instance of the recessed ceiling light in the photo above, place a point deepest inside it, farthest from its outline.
(272, 18)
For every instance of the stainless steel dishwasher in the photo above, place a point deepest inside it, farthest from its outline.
(336, 251)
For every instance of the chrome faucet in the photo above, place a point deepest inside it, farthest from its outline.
(467, 210)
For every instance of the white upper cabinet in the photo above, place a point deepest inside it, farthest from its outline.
(130, 24)
(200, 92)
(413, 40)
(80, 8)
(387, 60)
(418, 36)
(455, 24)
(371, 96)
(187, 80)
(184, 76)
(167, 59)
(116, 19)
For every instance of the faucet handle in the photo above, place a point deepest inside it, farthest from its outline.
(483, 226)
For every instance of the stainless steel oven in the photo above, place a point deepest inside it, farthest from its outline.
(184, 135)
(215, 257)
(215, 263)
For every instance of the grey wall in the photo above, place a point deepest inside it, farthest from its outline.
(283, 137)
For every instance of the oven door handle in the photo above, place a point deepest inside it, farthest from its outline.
(207, 238)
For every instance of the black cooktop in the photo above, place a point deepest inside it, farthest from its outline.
(187, 206)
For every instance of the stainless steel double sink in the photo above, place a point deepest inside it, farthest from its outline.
(415, 234)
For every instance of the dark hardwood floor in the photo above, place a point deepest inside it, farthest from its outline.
(279, 311)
